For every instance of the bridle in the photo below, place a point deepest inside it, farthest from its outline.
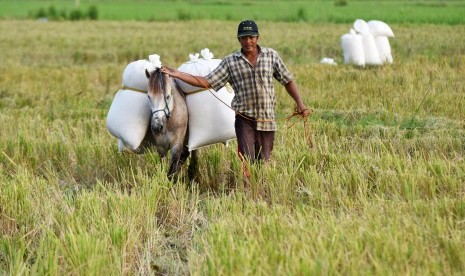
(166, 109)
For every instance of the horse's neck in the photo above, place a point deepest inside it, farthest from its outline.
(179, 113)
(179, 98)
(176, 90)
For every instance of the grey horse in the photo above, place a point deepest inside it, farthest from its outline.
(169, 122)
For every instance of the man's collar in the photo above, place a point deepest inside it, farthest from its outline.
(260, 50)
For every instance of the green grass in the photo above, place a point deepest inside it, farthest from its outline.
(433, 12)
(381, 192)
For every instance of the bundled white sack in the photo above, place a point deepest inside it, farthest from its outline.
(379, 28)
(129, 116)
(197, 67)
(353, 49)
(384, 49)
(361, 27)
(133, 78)
(329, 61)
(210, 120)
(374, 39)
(147, 143)
(370, 50)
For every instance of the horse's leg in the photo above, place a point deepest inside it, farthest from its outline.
(177, 159)
(192, 170)
(185, 154)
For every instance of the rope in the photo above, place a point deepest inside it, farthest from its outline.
(124, 87)
(300, 115)
(307, 133)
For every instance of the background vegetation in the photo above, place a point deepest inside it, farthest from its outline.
(319, 11)
(381, 192)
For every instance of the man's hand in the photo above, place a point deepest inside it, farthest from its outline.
(185, 77)
(303, 111)
(169, 71)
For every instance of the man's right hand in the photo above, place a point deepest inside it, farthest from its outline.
(198, 81)
(169, 71)
(304, 111)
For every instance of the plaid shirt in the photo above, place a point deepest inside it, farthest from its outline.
(253, 86)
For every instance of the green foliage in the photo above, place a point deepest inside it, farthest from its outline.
(52, 13)
(380, 192)
(338, 11)
(184, 15)
(302, 14)
(74, 15)
(341, 3)
(41, 13)
(92, 12)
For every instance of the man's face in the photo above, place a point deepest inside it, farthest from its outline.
(248, 43)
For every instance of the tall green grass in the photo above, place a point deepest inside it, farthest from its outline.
(381, 192)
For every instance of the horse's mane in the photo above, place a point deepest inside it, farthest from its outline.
(156, 81)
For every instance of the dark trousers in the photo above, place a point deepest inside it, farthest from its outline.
(253, 144)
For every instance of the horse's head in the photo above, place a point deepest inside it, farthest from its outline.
(161, 99)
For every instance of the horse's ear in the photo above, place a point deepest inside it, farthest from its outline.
(147, 73)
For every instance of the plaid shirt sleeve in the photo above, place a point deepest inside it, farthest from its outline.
(280, 71)
(218, 77)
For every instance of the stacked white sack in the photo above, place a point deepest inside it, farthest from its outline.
(129, 116)
(361, 27)
(381, 31)
(211, 120)
(197, 67)
(379, 28)
(374, 43)
(353, 48)
(371, 50)
(133, 77)
(368, 41)
(384, 49)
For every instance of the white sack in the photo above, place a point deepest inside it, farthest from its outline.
(134, 75)
(384, 49)
(327, 60)
(147, 143)
(371, 50)
(210, 121)
(353, 49)
(379, 28)
(197, 67)
(129, 117)
(200, 67)
(361, 27)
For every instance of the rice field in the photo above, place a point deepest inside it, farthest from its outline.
(382, 190)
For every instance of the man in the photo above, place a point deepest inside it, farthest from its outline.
(250, 72)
